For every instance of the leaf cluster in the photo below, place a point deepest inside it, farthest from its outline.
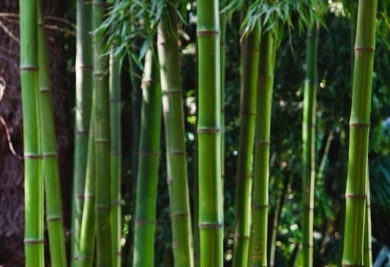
(303, 13)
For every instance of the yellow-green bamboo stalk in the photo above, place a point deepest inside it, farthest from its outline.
(367, 227)
(259, 230)
(168, 54)
(88, 228)
(209, 135)
(102, 143)
(33, 180)
(84, 84)
(149, 152)
(51, 171)
(359, 132)
(115, 119)
(308, 145)
(249, 77)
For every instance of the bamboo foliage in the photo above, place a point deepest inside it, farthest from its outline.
(149, 152)
(84, 83)
(359, 132)
(168, 52)
(308, 144)
(33, 182)
(249, 74)
(209, 135)
(102, 143)
(115, 119)
(258, 253)
(50, 156)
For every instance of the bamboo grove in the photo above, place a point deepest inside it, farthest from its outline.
(115, 220)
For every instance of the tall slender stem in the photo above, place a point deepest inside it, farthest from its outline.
(260, 201)
(168, 52)
(209, 135)
(115, 119)
(359, 133)
(249, 74)
(102, 143)
(33, 182)
(308, 145)
(149, 153)
(51, 171)
(84, 84)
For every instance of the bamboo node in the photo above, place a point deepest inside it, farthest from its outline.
(259, 206)
(364, 48)
(32, 156)
(210, 225)
(248, 113)
(144, 221)
(44, 90)
(102, 140)
(262, 143)
(82, 66)
(27, 68)
(83, 257)
(238, 236)
(169, 180)
(103, 207)
(209, 130)
(177, 152)
(359, 124)
(243, 176)
(356, 196)
(33, 241)
(207, 32)
(171, 92)
(50, 154)
(53, 218)
(180, 214)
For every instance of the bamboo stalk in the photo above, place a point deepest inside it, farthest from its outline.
(84, 84)
(308, 146)
(88, 228)
(259, 231)
(33, 180)
(249, 74)
(149, 152)
(209, 134)
(102, 144)
(359, 133)
(115, 119)
(367, 227)
(168, 54)
(50, 166)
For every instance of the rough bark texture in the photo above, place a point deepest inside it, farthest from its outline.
(11, 168)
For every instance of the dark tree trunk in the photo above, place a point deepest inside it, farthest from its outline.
(11, 167)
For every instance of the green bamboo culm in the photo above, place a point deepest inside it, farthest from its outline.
(308, 146)
(209, 135)
(84, 84)
(102, 143)
(149, 153)
(359, 133)
(115, 125)
(259, 231)
(88, 223)
(50, 166)
(33, 180)
(249, 77)
(168, 54)
(223, 17)
(367, 227)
